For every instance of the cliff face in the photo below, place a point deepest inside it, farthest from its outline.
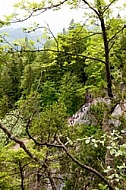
(85, 115)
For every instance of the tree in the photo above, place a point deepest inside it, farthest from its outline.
(49, 88)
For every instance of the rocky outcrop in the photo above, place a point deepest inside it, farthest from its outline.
(85, 116)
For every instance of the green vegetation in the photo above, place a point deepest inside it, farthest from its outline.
(40, 89)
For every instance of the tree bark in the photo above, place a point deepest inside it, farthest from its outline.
(100, 14)
(106, 50)
(22, 176)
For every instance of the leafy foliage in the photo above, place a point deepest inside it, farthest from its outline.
(41, 89)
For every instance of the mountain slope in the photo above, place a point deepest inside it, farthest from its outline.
(12, 34)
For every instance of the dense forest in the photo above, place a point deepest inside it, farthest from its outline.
(41, 88)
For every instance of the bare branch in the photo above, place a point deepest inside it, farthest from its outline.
(117, 33)
(65, 53)
(42, 10)
(112, 44)
(13, 125)
(92, 8)
(35, 141)
(85, 166)
(29, 153)
(44, 27)
(8, 43)
(96, 117)
(21, 143)
(92, 34)
(106, 7)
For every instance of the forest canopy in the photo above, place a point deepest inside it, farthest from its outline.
(80, 70)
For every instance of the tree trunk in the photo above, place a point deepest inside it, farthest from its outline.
(22, 176)
(106, 50)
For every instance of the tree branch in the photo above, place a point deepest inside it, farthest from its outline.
(42, 9)
(8, 43)
(22, 145)
(117, 33)
(106, 7)
(44, 27)
(65, 53)
(85, 166)
(34, 140)
(97, 13)
(28, 152)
